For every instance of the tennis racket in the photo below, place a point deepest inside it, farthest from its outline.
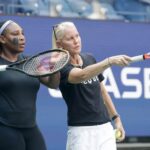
(141, 57)
(41, 64)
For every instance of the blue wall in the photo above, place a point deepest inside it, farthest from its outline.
(128, 86)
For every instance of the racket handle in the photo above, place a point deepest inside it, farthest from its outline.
(3, 67)
(137, 58)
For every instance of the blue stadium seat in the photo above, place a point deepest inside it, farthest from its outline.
(6, 6)
(133, 10)
(110, 12)
(30, 7)
(74, 8)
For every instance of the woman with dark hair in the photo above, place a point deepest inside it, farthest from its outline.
(18, 93)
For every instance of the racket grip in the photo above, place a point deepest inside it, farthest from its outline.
(137, 58)
(3, 67)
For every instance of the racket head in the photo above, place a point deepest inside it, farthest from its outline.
(46, 63)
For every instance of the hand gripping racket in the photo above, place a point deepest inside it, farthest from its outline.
(41, 64)
(140, 57)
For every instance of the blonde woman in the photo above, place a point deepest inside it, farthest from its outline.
(90, 108)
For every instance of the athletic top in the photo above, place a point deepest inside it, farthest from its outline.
(18, 93)
(84, 101)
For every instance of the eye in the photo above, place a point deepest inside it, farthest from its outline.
(69, 38)
(22, 32)
(15, 33)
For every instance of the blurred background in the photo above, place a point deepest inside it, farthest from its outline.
(107, 27)
(129, 10)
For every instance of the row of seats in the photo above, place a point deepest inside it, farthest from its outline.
(18, 6)
(132, 10)
(63, 8)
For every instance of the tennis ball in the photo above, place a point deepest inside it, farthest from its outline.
(118, 134)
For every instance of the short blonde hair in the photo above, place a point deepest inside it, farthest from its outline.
(58, 32)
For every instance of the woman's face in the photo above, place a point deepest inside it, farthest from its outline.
(71, 40)
(13, 38)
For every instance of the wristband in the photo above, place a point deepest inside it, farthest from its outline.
(115, 117)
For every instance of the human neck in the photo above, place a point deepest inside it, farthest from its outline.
(76, 60)
(12, 57)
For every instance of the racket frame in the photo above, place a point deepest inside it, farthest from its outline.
(26, 60)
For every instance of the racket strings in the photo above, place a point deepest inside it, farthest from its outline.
(43, 64)
(60, 63)
(31, 68)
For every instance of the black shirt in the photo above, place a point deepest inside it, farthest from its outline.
(18, 93)
(84, 100)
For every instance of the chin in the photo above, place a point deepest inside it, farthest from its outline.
(20, 50)
(79, 51)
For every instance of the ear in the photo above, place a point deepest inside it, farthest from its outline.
(2, 39)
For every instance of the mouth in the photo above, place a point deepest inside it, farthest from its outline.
(77, 48)
(22, 45)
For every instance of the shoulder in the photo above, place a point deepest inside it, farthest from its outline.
(88, 56)
(23, 56)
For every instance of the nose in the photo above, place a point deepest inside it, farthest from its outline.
(22, 37)
(75, 40)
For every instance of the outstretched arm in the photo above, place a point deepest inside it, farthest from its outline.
(78, 75)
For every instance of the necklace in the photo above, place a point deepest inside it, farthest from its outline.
(78, 62)
(77, 66)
